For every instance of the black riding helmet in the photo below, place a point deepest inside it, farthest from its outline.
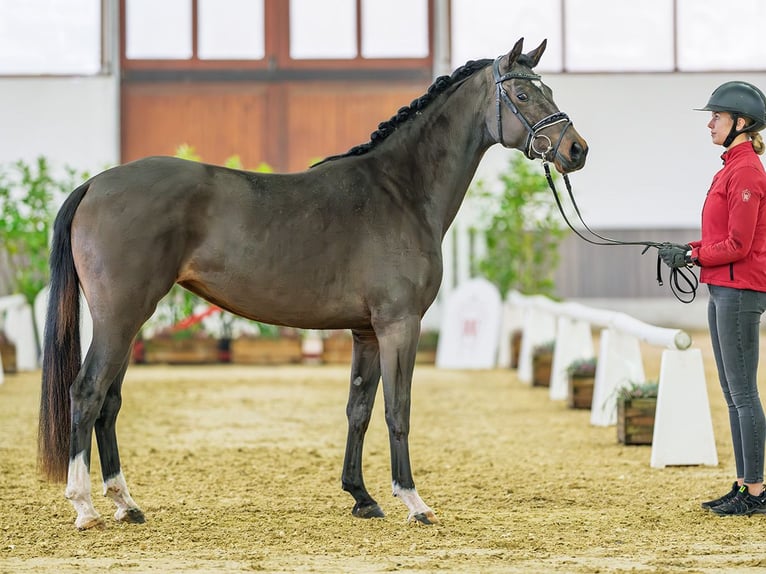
(740, 99)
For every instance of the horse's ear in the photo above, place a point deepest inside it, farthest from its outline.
(537, 53)
(514, 54)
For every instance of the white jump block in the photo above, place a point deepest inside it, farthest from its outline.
(619, 363)
(470, 329)
(86, 322)
(539, 328)
(683, 427)
(574, 341)
(513, 320)
(21, 331)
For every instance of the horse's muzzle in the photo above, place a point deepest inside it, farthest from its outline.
(573, 158)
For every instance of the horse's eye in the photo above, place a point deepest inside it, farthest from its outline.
(522, 97)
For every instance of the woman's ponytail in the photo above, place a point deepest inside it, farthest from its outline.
(757, 142)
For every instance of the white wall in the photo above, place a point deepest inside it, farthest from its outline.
(71, 120)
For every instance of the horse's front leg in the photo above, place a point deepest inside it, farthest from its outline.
(115, 486)
(365, 376)
(398, 346)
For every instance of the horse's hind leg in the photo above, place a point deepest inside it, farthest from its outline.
(115, 486)
(104, 364)
(365, 376)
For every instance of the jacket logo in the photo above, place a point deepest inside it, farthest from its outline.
(746, 195)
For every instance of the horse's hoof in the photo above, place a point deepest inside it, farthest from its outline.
(370, 511)
(427, 518)
(131, 516)
(94, 523)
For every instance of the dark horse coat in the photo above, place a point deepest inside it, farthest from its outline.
(353, 243)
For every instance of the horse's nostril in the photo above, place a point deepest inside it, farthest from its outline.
(577, 152)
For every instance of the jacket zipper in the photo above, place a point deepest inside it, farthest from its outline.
(731, 271)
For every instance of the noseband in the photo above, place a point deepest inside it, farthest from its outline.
(533, 131)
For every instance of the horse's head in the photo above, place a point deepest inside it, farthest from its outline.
(526, 118)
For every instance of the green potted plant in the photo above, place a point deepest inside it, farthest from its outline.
(636, 406)
(581, 376)
(30, 194)
(522, 229)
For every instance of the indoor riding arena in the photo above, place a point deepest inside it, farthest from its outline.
(238, 469)
(367, 286)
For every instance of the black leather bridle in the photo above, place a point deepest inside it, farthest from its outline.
(533, 131)
(683, 281)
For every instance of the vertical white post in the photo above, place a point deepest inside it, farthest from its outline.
(683, 427)
(619, 362)
(539, 327)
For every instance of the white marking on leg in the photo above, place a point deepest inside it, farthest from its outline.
(117, 489)
(411, 498)
(78, 493)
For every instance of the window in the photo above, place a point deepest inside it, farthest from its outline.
(604, 35)
(158, 30)
(390, 29)
(231, 30)
(709, 39)
(273, 34)
(615, 36)
(50, 37)
(534, 21)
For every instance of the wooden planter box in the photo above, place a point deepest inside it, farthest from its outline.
(580, 391)
(541, 368)
(515, 348)
(336, 350)
(635, 420)
(191, 351)
(266, 351)
(8, 354)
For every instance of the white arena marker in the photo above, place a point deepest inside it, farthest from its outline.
(683, 427)
(470, 330)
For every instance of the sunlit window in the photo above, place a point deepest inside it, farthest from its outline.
(158, 29)
(231, 29)
(604, 35)
(50, 37)
(322, 30)
(709, 37)
(474, 36)
(395, 29)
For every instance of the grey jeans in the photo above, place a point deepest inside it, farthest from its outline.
(734, 317)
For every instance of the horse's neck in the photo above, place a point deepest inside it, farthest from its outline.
(445, 147)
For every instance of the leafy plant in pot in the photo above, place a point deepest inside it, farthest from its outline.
(636, 406)
(581, 374)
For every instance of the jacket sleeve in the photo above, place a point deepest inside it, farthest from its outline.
(744, 194)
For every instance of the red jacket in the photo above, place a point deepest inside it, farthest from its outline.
(732, 251)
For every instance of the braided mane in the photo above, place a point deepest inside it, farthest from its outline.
(440, 85)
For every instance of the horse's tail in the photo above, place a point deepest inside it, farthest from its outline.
(61, 346)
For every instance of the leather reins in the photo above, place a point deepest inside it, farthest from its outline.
(683, 280)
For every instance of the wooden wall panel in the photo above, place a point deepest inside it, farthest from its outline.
(329, 119)
(218, 120)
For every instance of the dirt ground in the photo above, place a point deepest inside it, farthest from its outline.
(238, 470)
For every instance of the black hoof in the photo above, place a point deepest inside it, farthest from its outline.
(369, 511)
(134, 516)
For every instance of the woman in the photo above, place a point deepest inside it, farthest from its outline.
(732, 257)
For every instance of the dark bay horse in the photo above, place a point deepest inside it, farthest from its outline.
(352, 243)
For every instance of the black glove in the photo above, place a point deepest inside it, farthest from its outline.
(674, 254)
